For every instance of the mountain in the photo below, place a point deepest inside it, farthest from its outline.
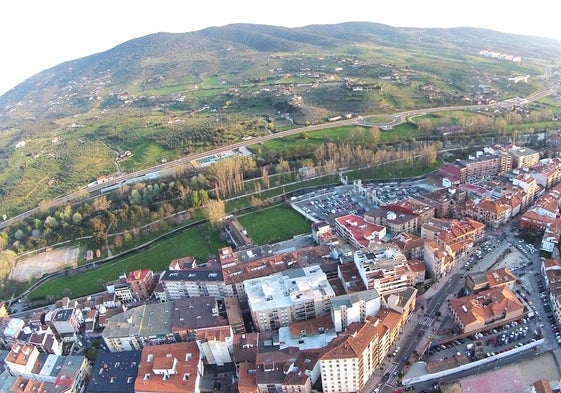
(166, 95)
(163, 59)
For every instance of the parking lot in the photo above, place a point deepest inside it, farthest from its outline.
(326, 205)
(488, 342)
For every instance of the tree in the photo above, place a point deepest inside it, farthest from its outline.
(101, 204)
(7, 263)
(4, 239)
(214, 210)
(135, 198)
(425, 126)
(51, 222)
(77, 218)
(374, 134)
(98, 231)
(428, 155)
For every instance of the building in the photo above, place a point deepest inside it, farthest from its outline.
(358, 232)
(480, 281)
(240, 266)
(523, 157)
(394, 218)
(141, 283)
(321, 232)
(354, 307)
(444, 200)
(294, 295)
(547, 173)
(198, 319)
(65, 322)
(493, 212)
(237, 235)
(169, 368)
(542, 213)
(384, 268)
(234, 315)
(528, 184)
(437, 260)
(114, 372)
(194, 282)
(453, 237)
(148, 324)
(350, 359)
(412, 246)
(483, 165)
(486, 309)
(61, 374)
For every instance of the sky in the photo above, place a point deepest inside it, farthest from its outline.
(38, 34)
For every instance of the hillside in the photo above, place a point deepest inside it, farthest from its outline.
(166, 95)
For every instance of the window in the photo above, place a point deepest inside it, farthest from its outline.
(186, 376)
(146, 377)
(150, 357)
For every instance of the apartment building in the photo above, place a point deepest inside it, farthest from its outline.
(141, 283)
(354, 307)
(194, 282)
(148, 324)
(292, 295)
(383, 267)
(357, 231)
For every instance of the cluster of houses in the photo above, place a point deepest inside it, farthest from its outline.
(266, 318)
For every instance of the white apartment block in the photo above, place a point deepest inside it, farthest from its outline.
(292, 295)
(355, 307)
(383, 267)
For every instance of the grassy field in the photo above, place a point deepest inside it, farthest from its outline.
(192, 242)
(274, 224)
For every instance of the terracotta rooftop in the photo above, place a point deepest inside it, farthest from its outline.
(168, 368)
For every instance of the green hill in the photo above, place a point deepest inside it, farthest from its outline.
(166, 95)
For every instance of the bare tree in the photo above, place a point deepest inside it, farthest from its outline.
(428, 155)
(214, 211)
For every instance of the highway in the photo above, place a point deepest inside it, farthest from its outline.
(170, 167)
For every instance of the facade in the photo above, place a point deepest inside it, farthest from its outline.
(355, 307)
(294, 295)
(523, 157)
(349, 360)
(141, 283)
(395, 218)
(383, 267)
(194, 282)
